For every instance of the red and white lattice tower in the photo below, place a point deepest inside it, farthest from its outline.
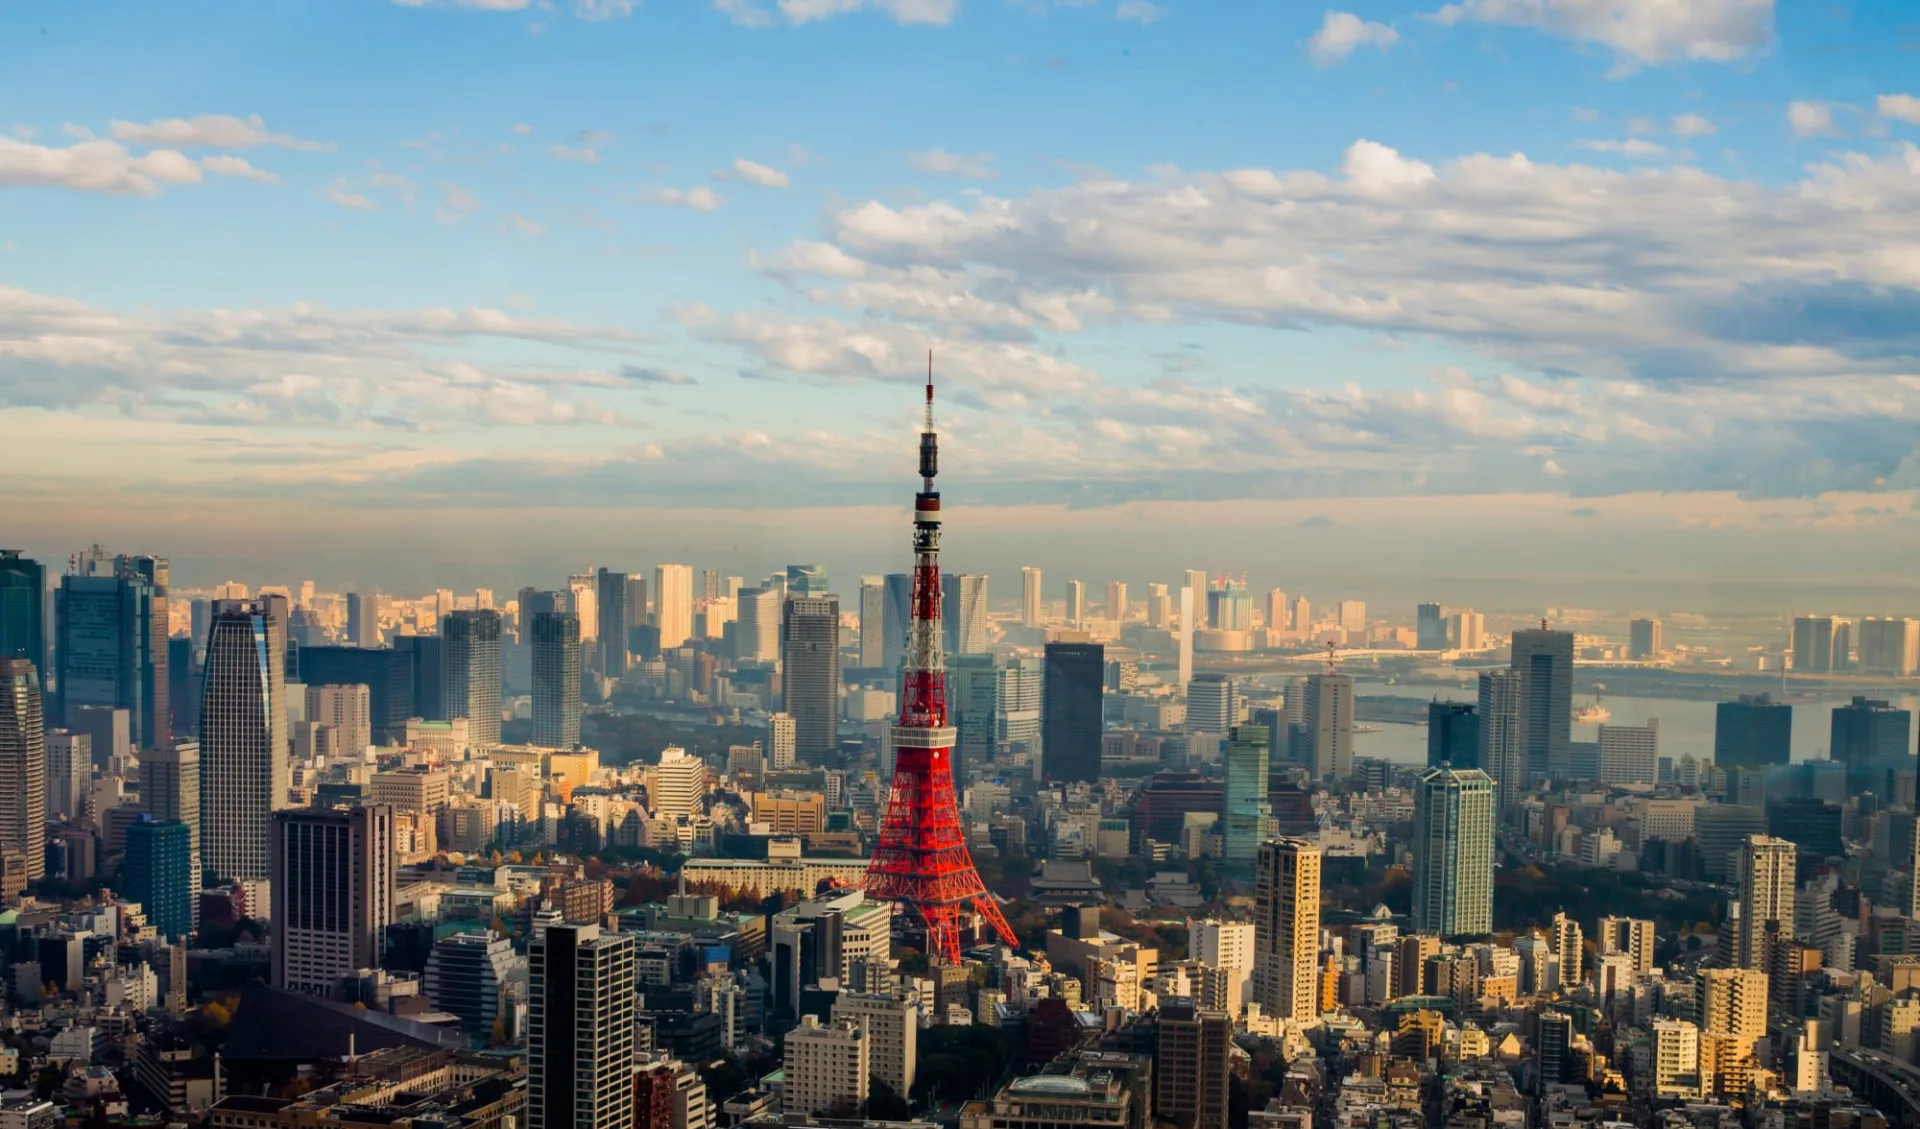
(922, 859)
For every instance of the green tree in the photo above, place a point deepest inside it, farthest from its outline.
(884, 1103)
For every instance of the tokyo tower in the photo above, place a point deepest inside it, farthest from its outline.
(922, 859)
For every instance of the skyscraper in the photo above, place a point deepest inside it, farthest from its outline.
(995, 706)
(1453, 735)
(583, 599)
(781, 739)
(1766, 875)
(810, 674)
(1071, 720)
(333, 894)
(109, 650)
(363, 619)
(1874, 739)
(1247, 808)
(69, 774)
(1545, 658)
(756, 631)
(1430, 628)
(610, 606)
(1192, 1065)
(1754, 732)
(1117, 601)
(1286, 929)
(244, 768)
(807, 580)
(1353, 617)
(556, 675)
(1159, 607)
(873, 622)
(1030, 601)
(170, 791)
(1820, 644)
(963, 612)
(1229, 606)
(580, 1012)
(673, 603)
(23, 765)
(470, 672)
(1076, 607)
(1213, 704)
(898, 610)
(1643, 639)
(1503, 744)
(1630, 754)
(158, 872)
(1889, 646)
(1279, 618)
(1327, 726)
(389, 676)
(1196, 579)
(23, 612)
(1453, 826)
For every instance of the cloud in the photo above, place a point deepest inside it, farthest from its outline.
(209, 131)
(604, 9)
(1585, 114)
(1900, 107)
(1636, 147)
(343, 195)
(525, 226)
(1811, 119)
(755, 173)
(457, 204)
(639, 375)
(1692, 125)
(237, 167)
(1642, 31)
(699, 199)
(585, 153)
(93, 166)
(522, 129)
(1583, 511)
(1139, 11)
(939, 162)
(476, 5)
(1341, 33)
(748, 13)
(1317, 521)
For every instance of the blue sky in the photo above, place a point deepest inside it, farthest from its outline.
(1506, 260)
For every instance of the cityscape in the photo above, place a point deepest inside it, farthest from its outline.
(959, 564)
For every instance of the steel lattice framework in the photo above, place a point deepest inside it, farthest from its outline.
(922, 859)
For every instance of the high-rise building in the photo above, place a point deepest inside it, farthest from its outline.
(111, 642)
(580, 1013)
(347, 710)
(610, 634)
(1867, 731)
(363, 619)
(170, 791)
(1031, 604)
(1326, 727)
(1191, 609)
(806, 580)
(1430, 628)
(1229, 606)
(333, 894)
(1503, 745)
(1286, 929)
(470, 672)
(1116, 606)
(1302, 616)
(1552, 1052)
(466, 975)
(1353, 617)
(756, 632)
(1076, 606)
(1247, 808)
(388, 675)
(897, 612)
(183, 685)
(1733, 1004)
(1544, 657)
(157, 870)
(893, 1032)
(1889, 646)
(556, 674)
(1822, 644)
(963, 613)
(1569, 948)
(782, 739)
(1196, 579)
(1229, 946)
(677, 786)
(1278, 618)
(1754, 732)
(1643, 639)
(1453, 735)
(1467, 630)
(1071, 719)
(69, 774)
(996, 707)
(1213, 704)
(1630, 754)
(827, 1068)
(673, 604)
(23, 609)
(1766, 877)
(1159, 607)
(810, 674)
(873, 622)
(23, 764)
(1192, 1065)
(1633, 936)
(244, 768)
(1453, 827)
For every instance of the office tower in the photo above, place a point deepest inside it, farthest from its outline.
(612, 618)
(896, 613)
(1353, 617)
(1192, 1065)
(333, 888)
(756, 632)
(1230, 606)
(1286, 929)
(1552, 1053)
(465, 977)
(170, 792)
(996, 707)
(1754, 732)
(580, 1017)
(69, 774)
(390, 676)
(1629, 754)
(582, 595)
(1076, 606)
(1733, 1003)
(470, 672)
(1302, 616)
(157, 871)
(1327, 726)
(893, 1031)
(1633, 936)
(1453, 826)
(677, 786)
(1503, 746)
(1453, 735)
(1887, 646)
(109, 650)
(1247, 809)
(183, 685)
(152, 720)
(1820, 644)
(556, 677)
(1766, 877)
(1643, 639)
(244, 769)
(805, 580)
(23, 765)
(1867, 731)
(1544, 657)
(1276, 611)
(810, 674)
(1030, 601)
(827, 1068)
(1429, 628)
(1117, 601)
(363, 619)
(782, 740)
(1189, 611)
(1159, 607)
(963, 613)
(1071, 719)
(1467, 631)
(1196, 579)
(1228, 946)
(673, 604)
(23, 608)
(873, 622)
(347, 710)
(1213, 704)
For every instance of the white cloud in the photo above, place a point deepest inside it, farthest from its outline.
(1139, 11)
(604, 9)
(1900, 107)
(939, 162)
(209, 131)
(1645, 31)
(457, 205)
(476, 5)
(343, 194)
(1585, 114)
(749, 13)
(754, 172)
(522, 129)
(584, 153)
(699, 199)
(1374, 168)
(1692, 125)
(93, 166)
(1636, 147)
(1341, 33)
(1811, 119)
(525, 226)
(237, 166)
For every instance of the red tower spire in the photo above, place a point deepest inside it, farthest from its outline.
(922, 859)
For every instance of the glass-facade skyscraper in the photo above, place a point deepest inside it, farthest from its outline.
(1071, 719)
(556, 679)
(1544, 658)
(1754, 732)
(111, 639)
(470, 672)
(1453, 827)
(158, 874)
(1247, 808)
(23, 764)
(244, 766)
(1453, 735)
(810, 679)
(23, 615)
